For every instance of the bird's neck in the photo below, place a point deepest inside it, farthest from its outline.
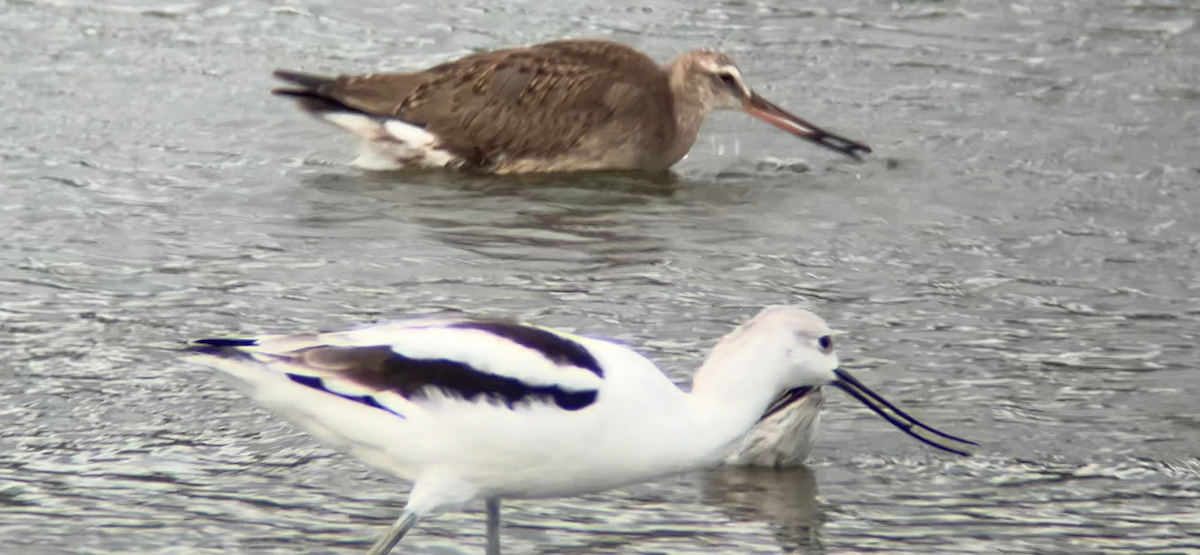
(688, 110)
(729, 396)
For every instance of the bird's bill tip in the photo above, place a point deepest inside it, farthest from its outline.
(767, 111)
(897, 417)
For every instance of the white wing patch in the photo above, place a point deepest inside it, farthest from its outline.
(437, 339)
(390, 144)
(362, 125)
(390, 366)
(493, 355)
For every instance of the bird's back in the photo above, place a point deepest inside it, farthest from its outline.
(570, 103)
(509, 408)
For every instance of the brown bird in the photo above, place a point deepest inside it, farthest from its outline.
(571, 105)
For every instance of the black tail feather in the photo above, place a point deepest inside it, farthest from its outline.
(311, 92)
(309, 81)
(219, 347)
(314, 102)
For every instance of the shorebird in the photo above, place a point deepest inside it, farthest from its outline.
(485, 409)
(565, 106)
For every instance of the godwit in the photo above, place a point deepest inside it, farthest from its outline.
(471, 409)
(572, 105)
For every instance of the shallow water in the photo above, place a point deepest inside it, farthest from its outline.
(1018, 263)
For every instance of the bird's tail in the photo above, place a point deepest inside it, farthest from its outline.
(389, 142)
(312, 94)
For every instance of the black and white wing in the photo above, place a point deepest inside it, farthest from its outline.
(389, 366)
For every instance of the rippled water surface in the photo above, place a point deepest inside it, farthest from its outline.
(1017, 263)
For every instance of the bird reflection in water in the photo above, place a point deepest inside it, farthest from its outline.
(784, 498)
(577, 222)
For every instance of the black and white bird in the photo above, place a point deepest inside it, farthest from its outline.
(482, 409)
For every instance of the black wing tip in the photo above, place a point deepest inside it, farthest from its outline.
(219, 346)
(309, 81)
(309, 90)
(293, 92)
(314, 102)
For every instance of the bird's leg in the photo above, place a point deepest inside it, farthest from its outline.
(392, 537)
(493, 526)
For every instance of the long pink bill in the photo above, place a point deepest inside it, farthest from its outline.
(763, 109)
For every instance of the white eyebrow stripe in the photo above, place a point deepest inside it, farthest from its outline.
(737, 75)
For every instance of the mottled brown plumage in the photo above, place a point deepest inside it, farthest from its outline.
(561, 106)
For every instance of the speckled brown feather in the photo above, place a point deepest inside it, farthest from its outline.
(571, 105)
(524, 103)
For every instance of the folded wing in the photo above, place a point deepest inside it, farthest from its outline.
(389, 365)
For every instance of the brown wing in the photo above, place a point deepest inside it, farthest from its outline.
(537, 101)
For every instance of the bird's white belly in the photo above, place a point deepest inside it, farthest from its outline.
(540, 450)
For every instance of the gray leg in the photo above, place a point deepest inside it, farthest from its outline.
(493, 526)
(392, 537)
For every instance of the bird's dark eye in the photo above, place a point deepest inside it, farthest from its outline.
(729, 80)
(825, 342)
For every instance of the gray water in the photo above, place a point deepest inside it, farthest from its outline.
(1018, 263)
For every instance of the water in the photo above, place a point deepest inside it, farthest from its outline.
(1018, 263)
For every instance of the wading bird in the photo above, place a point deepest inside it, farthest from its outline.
(564, 106)
(484, 409)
